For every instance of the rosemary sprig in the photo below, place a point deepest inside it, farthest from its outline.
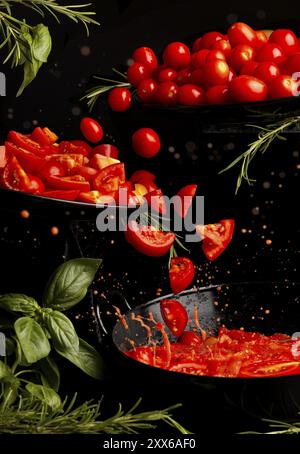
(34, 417)
(265, 138)
(284, 428)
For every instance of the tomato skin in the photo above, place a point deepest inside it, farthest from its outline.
(282, 86)
(156, 201)
(176, 55)
(232, 74)
(148, 240)
(261, 39)
(186, 195)
(198, 59)
(52, 169)
(166, 74)
(109, 179)
(66, 183)
(91, 130)
(247, 89)
(146, 90)
(270, 52)
(224, 46)
(266, 72)
(286, 39)
(241, 55)
(241, 33)
(249, 68)
(22, 141)
(292, 64)
(196, 45)
(138, 72)
(141, 175)
(215, 72)
(29, 161)
(36, 185)
(174, 315)
(50, 134)
(216, 237)
(87, 172)
(40, 137)
(190, 339)
(167, 93)
(183, 77)
(219, 94)
(68, 161)
(106, 149)
(215, 55)
(119, 99)
(63, 195)
(181, 274)
(197, 77)
(191, 95)
(80, 147)
(209, 39)
(146, 142)
(146, 56)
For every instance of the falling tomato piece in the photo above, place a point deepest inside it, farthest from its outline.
(216, 237)
(181, 273)
(175, 316)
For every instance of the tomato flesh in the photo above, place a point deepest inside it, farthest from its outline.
(181, 273)
(216, 237)
(175, 316)
(149, 240)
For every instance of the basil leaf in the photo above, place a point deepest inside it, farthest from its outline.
(45, 394)
(42, 43)
(62, 331)
(87, 359)
(51, 372)
(18, 303)
(32, 338)
(4, 371)
(69, 283)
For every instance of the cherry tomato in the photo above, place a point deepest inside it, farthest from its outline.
(215, 72)
(219, 94)
(240, 33)
(175, 316)
(36, 185)
(109, 179)
(149, 240)
(91, 130)
(282, 86)
(270, 52)
(286, 39)
(166, 74)
(14, 176)
(181, 273)
(191, 95)
(167, 93)
(146, 56)
(177, 55)
(197, 77)
(241, 55)
(270, 369)
(140, 175)
(292, 64)
(66, 183)
(216, 237)
(190, 339)
(261, 39)
(146, 90)
(29, 161)
(146, 142)
(183, 77)
(156, 201)
(185, 197)
(63, 195)
(119, 99)
(196, 45)
(266, 72)
(249, 68)
(106, 149)
(224, 46)
(138, 72)
(247, 89)
(198, 59)
(215, 55)
(209, 39)
(52, 169)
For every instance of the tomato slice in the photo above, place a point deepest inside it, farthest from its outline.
(156, 200)
(87, 172)
(216, 237)
(109, 179)
(29, 161)
(186, 195)
(68, 161)
(25, 142)
(3, 156)
(181, 273)
(66, 147)
(51, 135)
(65, 183)
(96, 197)
(175, 316)
(149, 240)
(14, 176)
(38, 135)
(271, 369)
(63, 195)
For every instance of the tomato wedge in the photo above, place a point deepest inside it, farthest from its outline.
(68, 161)
(29, 161)
(186, 195)
(66, 183)
(63, 195)
(109, 179)
(216, 237)
(175, 316)
(14, 176)
(25, 142)
(38, 135)
(156, 200)
(271, 369)
(181, 273)
(87, 172)
(149, 240)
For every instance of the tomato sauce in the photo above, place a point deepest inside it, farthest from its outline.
(232, 353)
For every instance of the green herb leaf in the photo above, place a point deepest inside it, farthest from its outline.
(10, 392)
(32, 338)
(4, 371)
(51, 372)
(45, 394)
(87, 359)
(18, 303)
(69, 283)
(62, 332)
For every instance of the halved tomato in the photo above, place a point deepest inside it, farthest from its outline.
(216, 237)
(25, 142)
(14, 176)
(148, 240)
(186, 195)
(270, 369)
(65, 183)
(63, 195)
(109, 179)
(68, 161)
(175, 316)
(29, 161)
(181, 273)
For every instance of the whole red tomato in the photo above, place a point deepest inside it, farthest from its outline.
(266, 72)
(138, 72)
(215, 72)
(167, 93)
(286, 39)
(282, 87)
(146, 56)
(261, 39)
(209, 39)
(146, 90)
(219, 94)
(241, 55)
(270, 52)
(119, 99)
(224, 46)
(197, 44)
(191, 95)
(198, 59)
(292, 64)
(166, 74)
(146, 142)
(240, 33)
(183, 76)
(249, 68)
(247, 89)
(177, 55)
(215, 55)
(91, 130)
